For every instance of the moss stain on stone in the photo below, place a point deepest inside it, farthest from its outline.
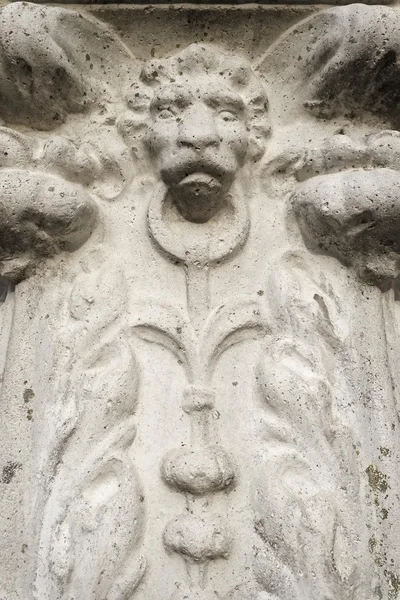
(384, 451)
(376, 479)
(394, 584)
(9, 471)
(28, 395)
(376, 548)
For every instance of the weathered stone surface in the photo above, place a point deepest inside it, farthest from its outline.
(199, 282)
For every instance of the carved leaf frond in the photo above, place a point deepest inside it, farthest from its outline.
(107, 391)
(276, 578)
(296, 394)
(98, 298)
(164, 326)
(307, 472)
(92, 515)
(92, 500)
(128, 579)
(298, 296)
(231, 323)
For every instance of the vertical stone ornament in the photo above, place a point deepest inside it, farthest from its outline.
(199, 285)
(198, 139)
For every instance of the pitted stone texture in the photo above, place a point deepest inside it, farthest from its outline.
(356, 217)
(199, 362)
(40, 216)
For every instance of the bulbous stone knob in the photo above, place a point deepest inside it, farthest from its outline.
(198, 539)
(199, 471)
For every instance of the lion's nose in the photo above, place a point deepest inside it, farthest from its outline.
(198, 129)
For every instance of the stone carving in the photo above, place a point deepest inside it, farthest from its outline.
(310, 547)
(33, 226)
(200, 383)
(345, 206)
(47, 75)
(90, 493)
(354, 216)
(200, 113)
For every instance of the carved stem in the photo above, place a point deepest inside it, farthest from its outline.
(198, 295)
(200, 422)
(198, 536)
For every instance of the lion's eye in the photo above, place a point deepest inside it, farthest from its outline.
(165, 113)
(227, 115)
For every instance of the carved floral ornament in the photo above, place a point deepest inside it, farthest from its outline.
(83, 122)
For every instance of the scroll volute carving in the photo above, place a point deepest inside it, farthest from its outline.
(54, 65)
(201, 118)
(341, 62)
(337, 168)
(41, 213)
(39, 217)
(353, 66)
(348, 204)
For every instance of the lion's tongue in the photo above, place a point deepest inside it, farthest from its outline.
(198, 178)
(202, 180)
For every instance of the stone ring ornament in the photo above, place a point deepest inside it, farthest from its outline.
(198, 244)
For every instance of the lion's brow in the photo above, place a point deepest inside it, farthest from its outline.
(225, 98)
(171, 94)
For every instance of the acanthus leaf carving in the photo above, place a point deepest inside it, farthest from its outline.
(310, 481)
(94, 493)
